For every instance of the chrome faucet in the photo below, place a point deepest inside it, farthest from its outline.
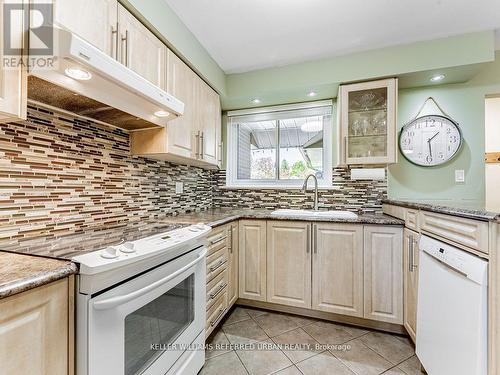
(304, 189)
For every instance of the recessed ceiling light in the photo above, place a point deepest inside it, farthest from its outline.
(78, 74)
(256, 101)
(162, 114)
(437, 78)
(312, 93)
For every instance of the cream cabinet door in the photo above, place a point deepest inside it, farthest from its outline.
(233, 259)
(338, 268)
(141, 50)
(34, 335)
(383, 268)
(410, 267)
(92, 20)
(289, 263)
(181, 83)
(252, 265)
(209, 122)
(13, 81)
(367, 115)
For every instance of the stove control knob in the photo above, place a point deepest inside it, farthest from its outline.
(128, 247)
(110, 253)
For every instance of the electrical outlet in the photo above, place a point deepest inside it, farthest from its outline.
(179, 187)
(459, 175)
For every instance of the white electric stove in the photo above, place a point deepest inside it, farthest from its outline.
(141, 305)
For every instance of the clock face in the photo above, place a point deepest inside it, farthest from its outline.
(430, 140)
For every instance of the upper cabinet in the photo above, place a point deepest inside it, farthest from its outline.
(110, 27)
(367, 129)
(140, 50)
(96, 21)
(13, 84)
(195, 137)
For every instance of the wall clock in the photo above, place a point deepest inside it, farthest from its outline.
(430, 140)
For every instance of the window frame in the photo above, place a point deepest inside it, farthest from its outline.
(232, 180)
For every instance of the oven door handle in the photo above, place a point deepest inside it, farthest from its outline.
(112, 302)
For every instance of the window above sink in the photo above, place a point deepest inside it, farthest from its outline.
(278, 147)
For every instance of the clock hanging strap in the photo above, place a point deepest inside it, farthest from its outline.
(437, 105)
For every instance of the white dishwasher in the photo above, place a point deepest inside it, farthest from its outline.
(452, 310)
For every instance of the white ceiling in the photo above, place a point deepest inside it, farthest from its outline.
(244, 35)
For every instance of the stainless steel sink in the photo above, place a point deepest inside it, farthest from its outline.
(313, 213)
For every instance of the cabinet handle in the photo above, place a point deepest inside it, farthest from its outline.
(114, 40)
(213, 242)
(410, 253)
(221, 314)
(315, 239)
(219, 290)
(125, 39)
(230, 242)
(217, 266)
(197, 144)
(202, 146)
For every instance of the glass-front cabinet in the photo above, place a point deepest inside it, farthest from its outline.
(367, 130)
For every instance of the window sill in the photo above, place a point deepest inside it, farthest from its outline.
(270, 187)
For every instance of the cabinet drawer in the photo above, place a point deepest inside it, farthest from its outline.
(460, 231)
(411, 219)
(216, 263)
(396, 211)
(216, 287)
(218, 239)
(216, 313)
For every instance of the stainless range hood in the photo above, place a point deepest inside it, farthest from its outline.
(88, 82)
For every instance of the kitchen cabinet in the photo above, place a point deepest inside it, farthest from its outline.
(383, 273)
(233, 261)
(140, 50)
(193, 138)
(410, 267)
(107, 25)
(13, 81)
(252, 259)
(96, 21)
(36, 330)
(338, 268)
(367, 129)
(289, 263)
(208, 123)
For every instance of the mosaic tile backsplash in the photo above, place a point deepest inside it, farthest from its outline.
(61, 174)
(360, 196)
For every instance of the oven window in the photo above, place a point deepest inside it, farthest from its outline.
(159, 322)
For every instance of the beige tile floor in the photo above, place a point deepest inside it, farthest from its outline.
(325, 348)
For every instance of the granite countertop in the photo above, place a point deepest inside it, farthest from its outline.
(461, 209)
(220, 216)
(19, 273)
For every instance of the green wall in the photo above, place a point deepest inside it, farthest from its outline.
(464, 103)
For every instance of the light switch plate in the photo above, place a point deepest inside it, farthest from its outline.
(459, 175)
(179, 187)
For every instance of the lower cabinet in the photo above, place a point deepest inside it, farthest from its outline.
(36, 330)
(338, 268)
(346, 269)
(289, 263)
(410, 267)
(222, 273)
(252, 264)
(383, 274)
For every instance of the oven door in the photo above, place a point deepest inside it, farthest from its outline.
(145, 324)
